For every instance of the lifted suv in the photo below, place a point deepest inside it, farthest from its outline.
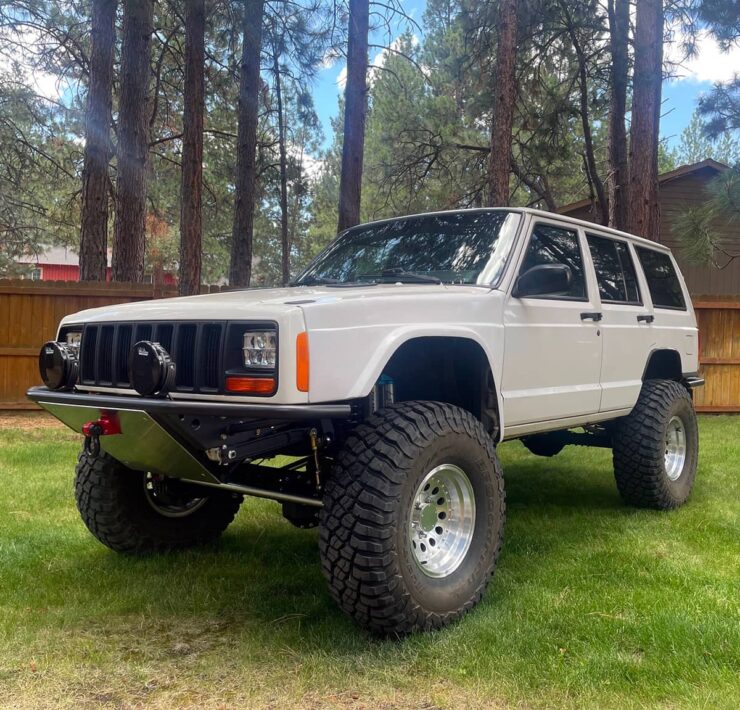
(368, 398)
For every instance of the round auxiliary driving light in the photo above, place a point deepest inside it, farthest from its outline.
(59, 365)
(151, 370)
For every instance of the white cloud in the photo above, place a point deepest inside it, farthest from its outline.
(376, 62)
(311, 166)
(330, 58)
(342, 78)
(25, 46)
(710, 63)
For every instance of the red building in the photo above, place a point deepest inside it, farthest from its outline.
(62, 264)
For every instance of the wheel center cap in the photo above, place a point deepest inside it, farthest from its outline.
(428, 517)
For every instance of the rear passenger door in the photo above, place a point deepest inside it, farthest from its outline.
(626, 321)
(552, 353)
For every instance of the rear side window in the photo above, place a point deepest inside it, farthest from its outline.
(615, 272)
(553, 245)
(665, 288)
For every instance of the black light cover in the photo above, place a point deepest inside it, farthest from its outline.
(59, 365)
(151, 369)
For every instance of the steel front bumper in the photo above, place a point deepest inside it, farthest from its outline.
(147, 443)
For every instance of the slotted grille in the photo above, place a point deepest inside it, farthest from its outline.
(196, 349)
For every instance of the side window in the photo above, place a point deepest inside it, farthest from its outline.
(615, 272)
(665, 288)
(630, 275)
(555, 245)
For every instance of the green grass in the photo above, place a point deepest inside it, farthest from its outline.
(593, 604)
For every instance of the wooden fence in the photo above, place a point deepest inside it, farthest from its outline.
(30, 312)
(719, 354)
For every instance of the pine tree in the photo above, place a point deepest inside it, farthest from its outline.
(618, 180)
(129, 234)
(355, 109)
(644, 210)
(95, 179)
(240, 270)
(503, 105)
(191, 194)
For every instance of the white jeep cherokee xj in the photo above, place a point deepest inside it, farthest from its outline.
(384, 378)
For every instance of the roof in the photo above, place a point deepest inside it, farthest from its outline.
(556, 216)
(680, 171)
(59, 256)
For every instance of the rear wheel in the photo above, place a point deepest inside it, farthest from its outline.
(413, 518)
(135, 512)
(656, 447)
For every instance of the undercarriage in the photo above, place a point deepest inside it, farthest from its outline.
(219, 445)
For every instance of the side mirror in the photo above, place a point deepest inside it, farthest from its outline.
(543, 280)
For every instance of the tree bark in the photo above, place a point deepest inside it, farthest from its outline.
(644, 210)
(129, 235)
(240, 269)
(504, 98)
(95, 178)
(589, 156)
(191, 192)
(284, 232)
(619, 16)
(355, 110)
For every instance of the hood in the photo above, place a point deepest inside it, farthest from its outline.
(258, 303)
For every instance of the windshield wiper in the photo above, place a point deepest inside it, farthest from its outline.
(315, 281)
(410, 276)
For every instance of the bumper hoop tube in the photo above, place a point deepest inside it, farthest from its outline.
(136, 432)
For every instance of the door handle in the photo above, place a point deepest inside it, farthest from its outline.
(592, 316)
(645, 318)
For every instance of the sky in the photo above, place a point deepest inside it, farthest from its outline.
(680, 94)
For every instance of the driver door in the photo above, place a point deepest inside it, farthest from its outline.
(552, 352)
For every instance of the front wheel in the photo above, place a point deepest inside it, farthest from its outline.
(413, 518)
(656, 447)
(134, 512)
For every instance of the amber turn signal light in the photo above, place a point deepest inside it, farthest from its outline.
(250, 385)
(302, 362)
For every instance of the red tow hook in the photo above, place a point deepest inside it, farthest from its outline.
(107, 425)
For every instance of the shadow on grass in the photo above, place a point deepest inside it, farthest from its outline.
(264, 575)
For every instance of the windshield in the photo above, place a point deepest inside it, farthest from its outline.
(460, 247)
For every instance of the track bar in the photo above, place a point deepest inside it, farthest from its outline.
(260, 493)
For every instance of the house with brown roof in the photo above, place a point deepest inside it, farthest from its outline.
(679, 190)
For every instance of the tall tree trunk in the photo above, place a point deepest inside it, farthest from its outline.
(284, 232)
(129, 235)
(297, 201)
(504, 98)
(644, 210)
(95, 178)
(191, 192)
(619, 16)
(588, 143)
(240, 269)
(355, 110)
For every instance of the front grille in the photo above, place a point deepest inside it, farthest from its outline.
(196, 348)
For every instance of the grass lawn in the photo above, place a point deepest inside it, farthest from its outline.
(593, 604)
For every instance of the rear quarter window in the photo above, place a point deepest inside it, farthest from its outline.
(665, 288)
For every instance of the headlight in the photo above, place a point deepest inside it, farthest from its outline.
(74, 337)
(260, 348)
(59, 365)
